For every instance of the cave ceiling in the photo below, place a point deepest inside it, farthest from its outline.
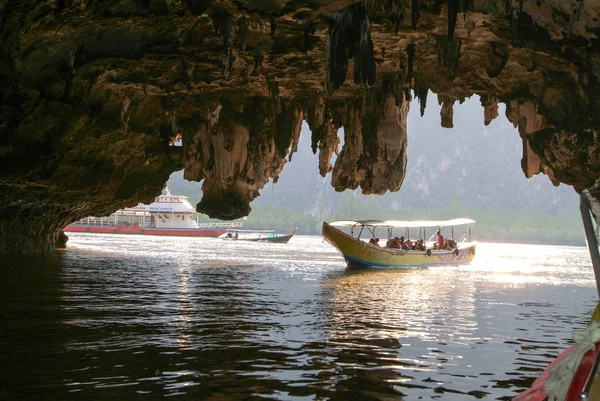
(93, 95)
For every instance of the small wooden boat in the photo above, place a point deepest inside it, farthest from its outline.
(361, 253)
(573, 375)
(257, 236)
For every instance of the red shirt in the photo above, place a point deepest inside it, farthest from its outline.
(440, 241)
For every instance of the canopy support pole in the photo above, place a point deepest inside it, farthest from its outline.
(590, 235)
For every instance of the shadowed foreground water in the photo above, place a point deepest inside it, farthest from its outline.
(131, 317)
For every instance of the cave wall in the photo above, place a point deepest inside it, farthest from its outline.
(94, 93)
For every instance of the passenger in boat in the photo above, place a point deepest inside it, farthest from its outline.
(376, 241)
(395, 243)
(441, 240)
(236, 236)
(372, 241)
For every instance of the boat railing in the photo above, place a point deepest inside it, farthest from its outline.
(590, 211)
(96, 221)
(233, 224)
(589, 207)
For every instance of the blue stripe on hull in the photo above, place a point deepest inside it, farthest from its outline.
(365, 263)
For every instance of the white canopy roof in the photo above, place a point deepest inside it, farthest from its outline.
(398, 223)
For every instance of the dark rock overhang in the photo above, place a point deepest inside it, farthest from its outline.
(93, 93)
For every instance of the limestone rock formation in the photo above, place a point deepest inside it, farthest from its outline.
(94, 93)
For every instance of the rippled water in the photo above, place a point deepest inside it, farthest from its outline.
(133, 317)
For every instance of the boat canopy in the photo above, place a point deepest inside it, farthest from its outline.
(399, 223)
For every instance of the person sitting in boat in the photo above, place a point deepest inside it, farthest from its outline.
(402, 243)
(376, 241)
(395, 243)
(409, 245)
(440, 241)
(421, 246)
(372, 241)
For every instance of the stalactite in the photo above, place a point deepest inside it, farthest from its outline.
(515, 15)
(490, 108)
(224, 24)
(308, 29)
(327, 147)
(448, 51)
(414, 13)
(374, 152)
(337, 48)
(364, 58)
(464, 6)
(452, 16)
(525, 116)
(447, 111)
(316, 113)
(349, 36)
(273, 27)
(421, 92)
(410, 51)
(530, 162)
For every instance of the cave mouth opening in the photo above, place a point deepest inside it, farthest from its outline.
(473, 166)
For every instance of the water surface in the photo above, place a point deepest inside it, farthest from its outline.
(137, 317)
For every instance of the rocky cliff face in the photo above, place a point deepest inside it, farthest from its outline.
(93, 93)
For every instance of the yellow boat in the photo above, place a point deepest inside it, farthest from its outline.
(361, 253)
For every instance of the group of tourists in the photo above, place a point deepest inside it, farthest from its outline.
(418, 245)
(408, 245)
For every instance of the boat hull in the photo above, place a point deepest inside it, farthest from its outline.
(278, 239)
(137, 230)
(358, 253)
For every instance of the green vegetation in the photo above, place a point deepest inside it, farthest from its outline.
(492, 225)
(269, 217)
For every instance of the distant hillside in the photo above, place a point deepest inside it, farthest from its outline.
(471, 165)
(469, 171)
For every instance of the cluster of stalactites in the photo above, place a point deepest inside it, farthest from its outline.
(349, 36)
